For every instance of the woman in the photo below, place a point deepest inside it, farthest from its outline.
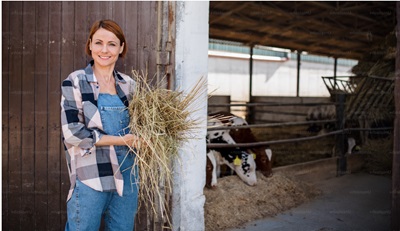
(94, 120)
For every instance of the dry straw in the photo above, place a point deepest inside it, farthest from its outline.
(161, 118)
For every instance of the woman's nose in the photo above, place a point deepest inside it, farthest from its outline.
(104, 49)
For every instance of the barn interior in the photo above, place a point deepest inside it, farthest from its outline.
(363, 31)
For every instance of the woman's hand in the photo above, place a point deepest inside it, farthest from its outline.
(131, 140)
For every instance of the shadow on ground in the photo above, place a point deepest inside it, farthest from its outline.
(354, 202)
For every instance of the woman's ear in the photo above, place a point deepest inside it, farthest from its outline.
(122, 48)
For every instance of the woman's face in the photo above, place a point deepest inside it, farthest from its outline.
(105, 47)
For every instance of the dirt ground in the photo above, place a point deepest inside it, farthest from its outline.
(233, 203)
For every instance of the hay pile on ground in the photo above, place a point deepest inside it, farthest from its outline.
(379, 156)
(233, 203)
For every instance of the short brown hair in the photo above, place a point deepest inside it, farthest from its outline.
(110, 26)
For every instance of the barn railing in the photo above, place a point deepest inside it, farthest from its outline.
(270, 125)
(262, 143)
(340, 133)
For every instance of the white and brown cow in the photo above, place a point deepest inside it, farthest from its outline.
(245, 135)
(237, 159)
(328, 112)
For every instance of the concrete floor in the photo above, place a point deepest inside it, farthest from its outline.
(354, 202)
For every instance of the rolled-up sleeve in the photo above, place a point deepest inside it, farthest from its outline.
(74, 129)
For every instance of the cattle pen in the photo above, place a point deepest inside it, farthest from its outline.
(341, 116)
(293, 181)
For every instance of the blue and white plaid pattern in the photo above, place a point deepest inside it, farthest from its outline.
(82, 128)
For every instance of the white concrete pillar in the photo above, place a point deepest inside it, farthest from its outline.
(191, 63)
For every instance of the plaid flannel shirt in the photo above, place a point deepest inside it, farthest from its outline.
(95, 166)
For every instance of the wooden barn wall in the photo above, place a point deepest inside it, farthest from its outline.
(42, 42)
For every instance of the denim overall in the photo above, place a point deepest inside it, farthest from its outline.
(87, 209)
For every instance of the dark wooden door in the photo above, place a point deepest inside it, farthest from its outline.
(42, 42)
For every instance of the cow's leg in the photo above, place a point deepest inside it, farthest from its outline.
(268, 153)
(351, 143)
(211, 176)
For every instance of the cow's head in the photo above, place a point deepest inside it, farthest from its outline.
(263, 159)
(218, 136)
(244, 166)
(242, 163)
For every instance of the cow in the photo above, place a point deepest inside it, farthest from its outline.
(211, 169)
(237, 159)
(329, 113)
(351, 145)
(263, 154)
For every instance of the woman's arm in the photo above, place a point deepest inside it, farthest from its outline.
(74, 129)
(128, 139)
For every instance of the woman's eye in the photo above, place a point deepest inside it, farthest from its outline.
(98, 43)
(112, 44)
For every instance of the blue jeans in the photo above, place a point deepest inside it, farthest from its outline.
(87, 206)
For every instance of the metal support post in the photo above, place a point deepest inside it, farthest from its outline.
(340, 138)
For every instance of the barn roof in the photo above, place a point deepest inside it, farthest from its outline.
(337, 29)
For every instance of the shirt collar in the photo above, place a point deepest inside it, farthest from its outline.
(91, 78)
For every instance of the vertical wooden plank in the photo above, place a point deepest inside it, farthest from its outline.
(5, 55)
(81, 32)
(41, 114)
(395, 223)
(28, 122)
(145, 51)
(131, 63)
(118, 15)
(131, 34)
(67, 61)
(147, 36)
(53, 124)
(105, 10)
(94, 13)
(15, 80)
(108, 9)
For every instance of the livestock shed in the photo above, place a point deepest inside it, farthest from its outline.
(42, 43)
(337, 29)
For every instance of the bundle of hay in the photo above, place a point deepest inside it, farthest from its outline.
(380, 60)
(161, 119)
(379, 156)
